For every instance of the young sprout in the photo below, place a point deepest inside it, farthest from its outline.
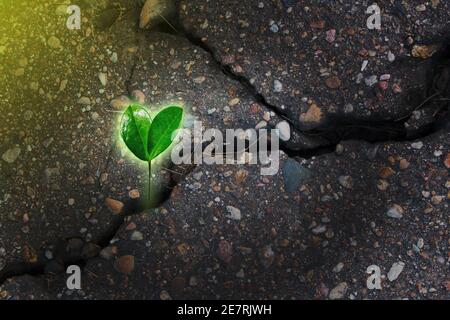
(147, 138)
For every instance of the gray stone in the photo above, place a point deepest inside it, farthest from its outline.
(277, 86)
(234, 213)
(371, 81)
(346, 181)
(11, 155)
(395, 212)
(284, 130)
(294, 175)
(137, 236)
(339, 291)
(395, 271)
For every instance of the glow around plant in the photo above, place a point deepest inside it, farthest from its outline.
(147, 137)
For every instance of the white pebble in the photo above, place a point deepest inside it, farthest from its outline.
(417, 145)
(102, 78)
(395, 271)
(395, 212)
(284, 130)
(391, 57)
(277, 86)
(234, 213)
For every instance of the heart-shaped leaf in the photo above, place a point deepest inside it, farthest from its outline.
(134, 130)
(166, 122)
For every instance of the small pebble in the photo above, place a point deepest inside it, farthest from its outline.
(274, 28)
(277, 86)
(338, 268)
(11, 155)
(234, 213)
(102, 78)
(346, 181)
(114, 58)
(114, 206)
(391, 57)
(371, 81)
(84, 101)
(339, 291)
(395, 271)
(137, 236)
(331, 35)
(284, 130)
(417, 145)
(395, 212)
(124, 264)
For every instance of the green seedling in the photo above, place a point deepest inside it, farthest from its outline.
(147, 138)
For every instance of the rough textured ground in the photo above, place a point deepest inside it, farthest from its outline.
(57, 130)
(228, 232)
(306, 57)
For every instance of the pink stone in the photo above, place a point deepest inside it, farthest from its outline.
(383, 85)
(331, 35)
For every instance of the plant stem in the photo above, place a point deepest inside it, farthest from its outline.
(149, 182)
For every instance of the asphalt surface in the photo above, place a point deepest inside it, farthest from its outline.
(346, 195)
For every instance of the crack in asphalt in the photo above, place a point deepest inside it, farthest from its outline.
(128, 81)
(372, 131)
(16, 269)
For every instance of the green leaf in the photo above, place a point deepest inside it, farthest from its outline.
(134, 130)
(166, 122)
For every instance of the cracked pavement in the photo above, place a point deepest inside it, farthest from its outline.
(357, 199)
